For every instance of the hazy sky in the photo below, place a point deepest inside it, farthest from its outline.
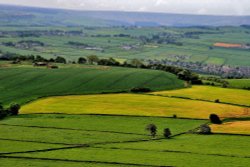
(221, 7)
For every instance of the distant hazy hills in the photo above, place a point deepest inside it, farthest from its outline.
(17, 15)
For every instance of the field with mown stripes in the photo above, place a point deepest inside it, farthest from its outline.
(21, 84)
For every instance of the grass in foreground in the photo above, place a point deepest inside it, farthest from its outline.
(234, 96)
(142, 157)
(184, 150)
(131, 104)
(7, 162)
(192, 143)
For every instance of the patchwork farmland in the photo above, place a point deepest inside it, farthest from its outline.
(83, 91)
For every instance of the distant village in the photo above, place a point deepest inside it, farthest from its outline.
(225, 71)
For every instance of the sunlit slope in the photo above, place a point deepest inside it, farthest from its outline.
(25, 84)
(131, 104)
(234, 96)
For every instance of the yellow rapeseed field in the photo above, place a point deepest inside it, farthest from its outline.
(238, 127)
(235, 96)
(131, 104)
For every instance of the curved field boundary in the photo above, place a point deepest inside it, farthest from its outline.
(30, 141)
(143, 116)
(81, 161)
(230, 134)
(187, 98)
(84, 130)
(173, 151)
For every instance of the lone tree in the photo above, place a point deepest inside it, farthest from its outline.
(215, 119)
(152, 129)
(167, 133)
(14, 109)
(217, 101)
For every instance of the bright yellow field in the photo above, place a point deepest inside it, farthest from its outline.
(235, 96)
(131, 104)
(239, 127)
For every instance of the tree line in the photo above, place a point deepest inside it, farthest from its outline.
(15, 58)
(183, 74)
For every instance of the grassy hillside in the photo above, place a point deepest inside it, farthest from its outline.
(131, 104)
(21, 84)
(234, 96)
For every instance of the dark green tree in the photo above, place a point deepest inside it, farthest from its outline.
(152, 129)
(14, 109)
(167, 133)
(60, 60)
(82, 60)
(215, 119)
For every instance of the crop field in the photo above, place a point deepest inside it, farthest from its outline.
(237, 127)
(132, 104)
(208, 93)
(93, 140)
(25, 83)
(228, 45)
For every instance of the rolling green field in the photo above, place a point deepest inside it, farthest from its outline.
(24, 83)
(209, 93)
(91, 140)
